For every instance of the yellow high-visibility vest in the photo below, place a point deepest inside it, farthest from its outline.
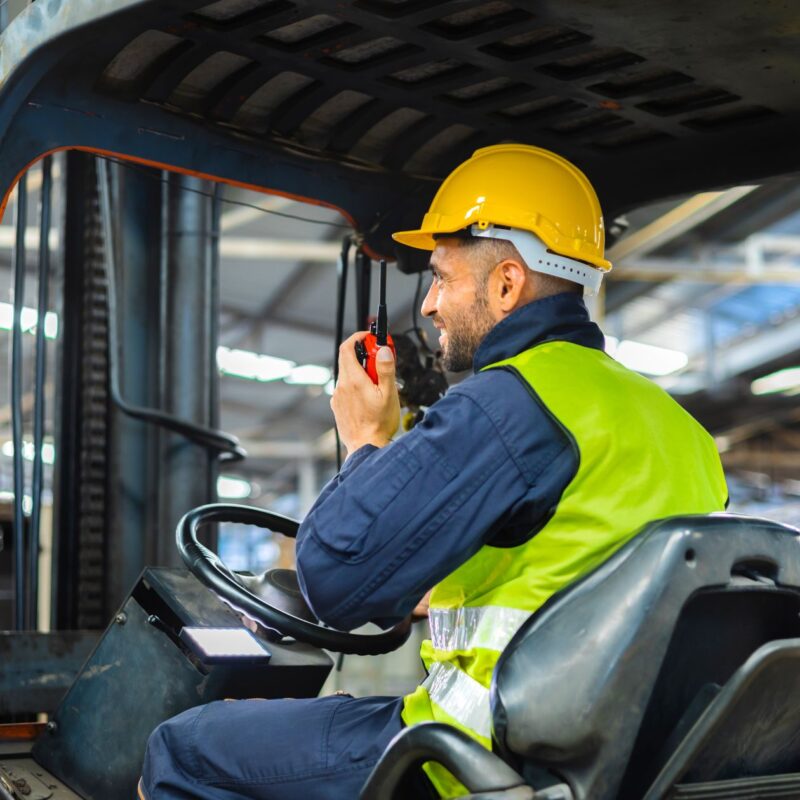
(639, 457)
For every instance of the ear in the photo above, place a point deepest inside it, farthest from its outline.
(511, 286)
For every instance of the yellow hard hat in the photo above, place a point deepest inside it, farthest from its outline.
(521, 187)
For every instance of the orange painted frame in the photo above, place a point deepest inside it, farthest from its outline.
(170, 168)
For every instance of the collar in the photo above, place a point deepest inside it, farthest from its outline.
(560, 317)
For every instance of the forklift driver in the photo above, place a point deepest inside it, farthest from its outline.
(524, 477)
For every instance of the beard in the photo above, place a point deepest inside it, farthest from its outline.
(466, 329)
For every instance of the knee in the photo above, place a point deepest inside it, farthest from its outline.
(167, 768)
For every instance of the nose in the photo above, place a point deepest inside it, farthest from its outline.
(428, 308)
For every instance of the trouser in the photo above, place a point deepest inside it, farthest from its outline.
(311, 749)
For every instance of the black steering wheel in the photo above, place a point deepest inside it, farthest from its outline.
(273, 599)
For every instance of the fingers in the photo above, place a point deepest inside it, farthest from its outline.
(348, 363)
(385, 367)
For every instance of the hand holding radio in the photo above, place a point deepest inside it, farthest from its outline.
(366, 412)
(367, 406)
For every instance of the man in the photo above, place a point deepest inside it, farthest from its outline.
(524, 477)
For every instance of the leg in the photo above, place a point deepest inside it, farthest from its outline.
(321, 748)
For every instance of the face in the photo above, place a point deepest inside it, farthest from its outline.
(458, 304)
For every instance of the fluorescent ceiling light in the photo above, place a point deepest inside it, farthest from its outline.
(48, 451)
(233, 488)
(649, 359)
(309, 375)
(254, 366)
(646, 358)
(723, 443)
(27, 500)
(259, 367)
(329, 387)
(28, 320)
(784, 380)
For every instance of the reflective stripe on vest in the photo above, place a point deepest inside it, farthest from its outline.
(463, 698)
(489, 627)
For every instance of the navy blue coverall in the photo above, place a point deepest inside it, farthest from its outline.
(485, 465)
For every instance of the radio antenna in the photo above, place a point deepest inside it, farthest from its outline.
(382, 326)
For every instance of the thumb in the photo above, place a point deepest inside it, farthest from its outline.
(384, 366)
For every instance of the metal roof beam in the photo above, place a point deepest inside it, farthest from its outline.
(675, 223)
(323, 447)
(740, 356)
(659, 270)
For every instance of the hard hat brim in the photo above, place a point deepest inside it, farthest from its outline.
(426, 240)
(419, 239)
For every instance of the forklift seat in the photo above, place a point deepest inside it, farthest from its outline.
(671, 671)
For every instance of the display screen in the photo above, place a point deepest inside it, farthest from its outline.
(224, 645)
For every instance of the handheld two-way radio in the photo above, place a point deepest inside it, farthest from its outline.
(367, 349)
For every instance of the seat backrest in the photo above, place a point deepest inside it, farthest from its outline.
(747, 742)
(600, 684)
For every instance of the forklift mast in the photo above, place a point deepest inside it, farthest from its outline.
(121, 476)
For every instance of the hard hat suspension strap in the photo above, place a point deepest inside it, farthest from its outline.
(540, 259)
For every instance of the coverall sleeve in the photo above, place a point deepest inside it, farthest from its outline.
(397, 520)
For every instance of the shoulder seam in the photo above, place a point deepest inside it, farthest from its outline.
(568, 438)
(526, 473)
